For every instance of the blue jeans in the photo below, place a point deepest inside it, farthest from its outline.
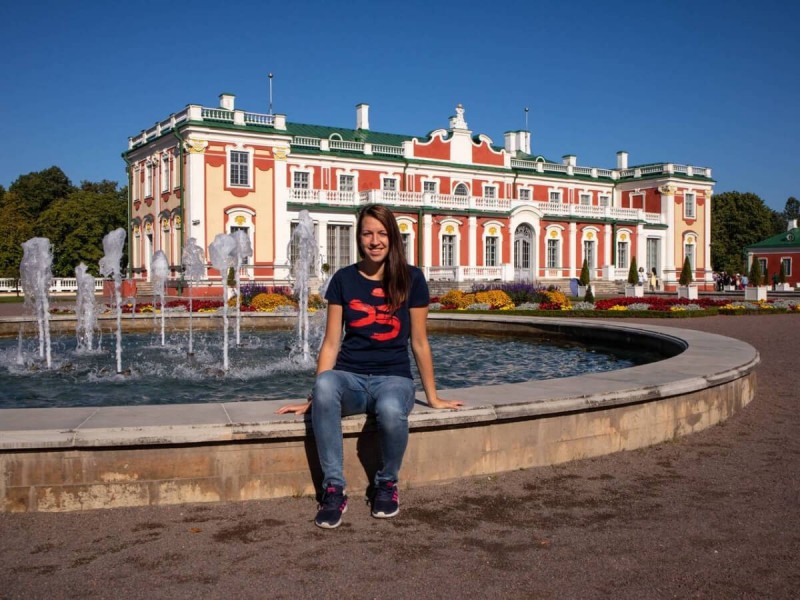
(338, 394)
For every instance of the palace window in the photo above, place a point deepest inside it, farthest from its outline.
(688, 252)
(604, 200)
(490, 256)
(461, 190)
(586, 199)
(389, 186)
(165, 173)
(787, 266)
(622, 255)
(555, 196)
(347, 183)
(429, 187)
(300, 180)
(689, 206)
(525, 194)
(148, 180)
(589, 253)
(339, 237)
(448, 251)
(490, 192)
(553, 254)
(239, 174)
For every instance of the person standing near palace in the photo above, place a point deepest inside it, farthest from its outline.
(382, 303)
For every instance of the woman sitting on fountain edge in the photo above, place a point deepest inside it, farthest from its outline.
(382, 302)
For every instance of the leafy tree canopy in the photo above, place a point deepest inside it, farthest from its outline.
(737, 221)
(75, 220)
(34, 192)
(792, 209)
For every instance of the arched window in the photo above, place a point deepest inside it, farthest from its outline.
(461, 190)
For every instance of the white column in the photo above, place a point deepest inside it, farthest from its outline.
(607, 246)
(472, 242)
(668, 209)
(427, 240)
(195, 184)
(707, 241)
(281, 229)
(322, 242)
(573, 233)
(641, 246)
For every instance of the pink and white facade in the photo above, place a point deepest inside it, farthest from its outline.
(468, 210)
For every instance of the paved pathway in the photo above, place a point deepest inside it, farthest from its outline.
(712, 515)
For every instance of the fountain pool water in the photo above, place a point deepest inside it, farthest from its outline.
(263, 367)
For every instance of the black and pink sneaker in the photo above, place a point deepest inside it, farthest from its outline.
(386, 502)
(332, 507)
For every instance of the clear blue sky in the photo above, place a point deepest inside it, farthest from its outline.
(712, 83)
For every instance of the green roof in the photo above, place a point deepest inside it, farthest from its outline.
(787, 239)
(348, 135)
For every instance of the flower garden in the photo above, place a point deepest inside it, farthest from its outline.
(521, 298)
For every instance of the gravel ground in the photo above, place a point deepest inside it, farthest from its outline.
(712, 515)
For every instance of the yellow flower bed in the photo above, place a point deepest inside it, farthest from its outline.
(458, 299)
(556, 297)
(269, 302)
(495, 298)
(618, 307)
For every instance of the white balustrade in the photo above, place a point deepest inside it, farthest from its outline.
(259, 119)
(345, 145)
(309, 142)
(384, 149)
(217, 114)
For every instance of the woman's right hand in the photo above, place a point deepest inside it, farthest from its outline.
(298, 409)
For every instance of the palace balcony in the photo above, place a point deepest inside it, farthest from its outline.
(415, 200)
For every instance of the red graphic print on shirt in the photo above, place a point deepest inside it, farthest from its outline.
(376, 314)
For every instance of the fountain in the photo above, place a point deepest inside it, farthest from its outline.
(194, 267)
(303, 236)
(223, 255)
(35, 275)
(160, 268)
(243, 250)
(85, 310)
(113, 243)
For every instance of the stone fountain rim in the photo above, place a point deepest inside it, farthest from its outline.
(707, 360)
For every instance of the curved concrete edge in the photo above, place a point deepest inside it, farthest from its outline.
(78, 458)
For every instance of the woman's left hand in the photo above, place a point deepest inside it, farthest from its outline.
(441, 403)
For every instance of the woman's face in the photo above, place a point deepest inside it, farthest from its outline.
(374, 240)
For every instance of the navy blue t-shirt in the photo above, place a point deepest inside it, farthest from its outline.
(375, 340)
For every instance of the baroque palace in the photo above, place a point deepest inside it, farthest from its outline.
(469, 211)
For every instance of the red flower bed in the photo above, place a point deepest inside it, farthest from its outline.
(658, 302)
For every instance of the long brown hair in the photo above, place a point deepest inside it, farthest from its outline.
(396, 279)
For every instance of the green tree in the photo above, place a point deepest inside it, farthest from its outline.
(633, 273)
(686, 273)
(737, 221)
(782, 274)
(76, 225)
(584, 278)
(792, 209)
(34, 192)
(755, 278)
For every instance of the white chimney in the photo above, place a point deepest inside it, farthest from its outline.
(792, 224)
(511, 142)
(362, 116)
(570, 160)
(226, 101)
(622, 160)
(524, 143)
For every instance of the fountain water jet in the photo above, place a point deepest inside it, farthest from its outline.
(243, 250)
(160, 267)
(193, 261)
(222, 252)
(35, 275)
(85, 310)
(113, 243)
(306, 243)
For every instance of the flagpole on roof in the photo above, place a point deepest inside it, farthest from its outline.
(270, 93)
